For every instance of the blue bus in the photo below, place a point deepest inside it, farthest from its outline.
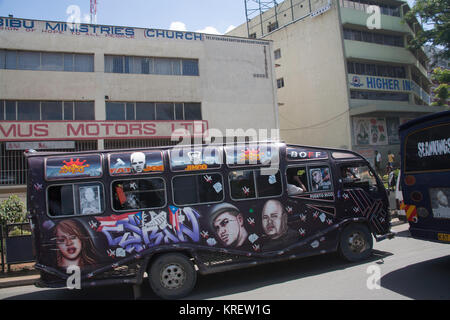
(425, 165)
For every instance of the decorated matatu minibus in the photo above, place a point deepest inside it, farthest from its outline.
(425, 180)
(166, 214)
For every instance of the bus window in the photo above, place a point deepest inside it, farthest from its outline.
(60, 200)
(198, 188)
(90, 198)
(242, 184)
(358, 176)
(297, 180)
(138, 194)
(320, 178)
(71, 199)
(268, 183)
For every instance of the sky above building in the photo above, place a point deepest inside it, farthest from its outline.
(208, 16)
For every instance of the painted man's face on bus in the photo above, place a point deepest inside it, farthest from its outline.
(68, 244)
(317, 176)
(274, 219)
(228, 227)
(138, 162)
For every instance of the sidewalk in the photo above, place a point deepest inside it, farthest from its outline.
(20, 275)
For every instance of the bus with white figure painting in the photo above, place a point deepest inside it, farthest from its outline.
(166, 214)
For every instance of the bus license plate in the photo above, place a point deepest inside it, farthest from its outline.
(444, 237)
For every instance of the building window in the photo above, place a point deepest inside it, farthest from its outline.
(280, 83)
(153, 111)
(149, 65)
(364, 4)
(379, 95)
(46, 61)
(377, 70)
(272, 26)
(373, 37)
(252, 36)
(277, 54)
(190, 67)
(28, 110)
(51, 110)
(47, 110)
(192, 111)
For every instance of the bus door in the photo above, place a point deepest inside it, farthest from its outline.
(363, 195)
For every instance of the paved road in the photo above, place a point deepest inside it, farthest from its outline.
(402, 268)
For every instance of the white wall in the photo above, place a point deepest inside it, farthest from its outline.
(230, 93)
(315, 96)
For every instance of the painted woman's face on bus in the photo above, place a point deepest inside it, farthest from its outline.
(68, 244)
(227, 227)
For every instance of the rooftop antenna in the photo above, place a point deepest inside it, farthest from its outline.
(93, 11)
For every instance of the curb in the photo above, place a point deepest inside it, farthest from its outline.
(9, 282)
(396, 222)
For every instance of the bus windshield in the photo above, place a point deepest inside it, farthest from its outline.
(426, 176)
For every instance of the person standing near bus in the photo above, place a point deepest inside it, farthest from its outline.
(391, 159)
(377, 161)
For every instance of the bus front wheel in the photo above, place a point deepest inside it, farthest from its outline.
(356, 243)
(172, 276)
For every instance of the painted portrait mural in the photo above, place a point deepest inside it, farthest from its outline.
(81, 231)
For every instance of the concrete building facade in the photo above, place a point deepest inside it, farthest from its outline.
(345, 76)
(72, 87)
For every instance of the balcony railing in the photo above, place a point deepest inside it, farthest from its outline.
(421, 93)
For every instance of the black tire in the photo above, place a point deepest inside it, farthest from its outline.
(355, 243)
(172, 276)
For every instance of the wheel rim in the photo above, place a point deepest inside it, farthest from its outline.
(173, 276)
(356, 242)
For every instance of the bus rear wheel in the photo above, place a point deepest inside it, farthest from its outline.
(356, 243)
(172, 276)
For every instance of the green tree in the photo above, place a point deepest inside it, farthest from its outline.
(434, 17)
(12, 210)
(442, 78)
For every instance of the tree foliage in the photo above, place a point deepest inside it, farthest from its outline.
(12, 210)
(434, 17)
(442, 77)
